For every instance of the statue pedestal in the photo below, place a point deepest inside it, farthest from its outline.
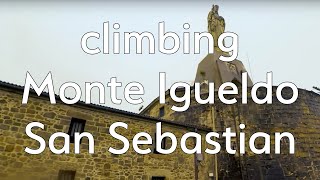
(212, 69)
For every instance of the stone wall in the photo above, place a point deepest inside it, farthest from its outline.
(197, 114)
(16, 164)
(301, 118)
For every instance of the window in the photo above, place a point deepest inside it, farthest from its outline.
(158, 178)
(66, 175)
(76, 125)
(161, 112)
(163, 144)
(203, 74)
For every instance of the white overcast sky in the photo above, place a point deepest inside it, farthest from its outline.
(42, 37)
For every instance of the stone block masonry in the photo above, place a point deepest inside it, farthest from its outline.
(300, 118)
(16, 164)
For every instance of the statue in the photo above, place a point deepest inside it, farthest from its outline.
(216, 24)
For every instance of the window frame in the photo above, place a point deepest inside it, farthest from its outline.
(161, 111)
(163, 144)
(63, 173)
(72, 124)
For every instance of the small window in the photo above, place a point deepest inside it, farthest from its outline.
(66, 175)
(158, 178)
(76, 125)
(163, 144)
(203, 74)
(161, 112)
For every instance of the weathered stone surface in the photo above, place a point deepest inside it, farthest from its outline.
(17, 164)
(49, 115)
(301, 118)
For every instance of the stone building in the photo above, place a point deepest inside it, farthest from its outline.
(302, 119)
(17, 164)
